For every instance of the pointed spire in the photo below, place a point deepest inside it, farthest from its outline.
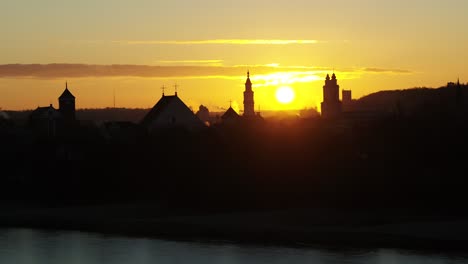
(66, 93)
(333, 76)
(248, 82)
(328, 77)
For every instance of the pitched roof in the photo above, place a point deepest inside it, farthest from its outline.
(66, 95)
(158, 108)
(230, 114)
(174, 107)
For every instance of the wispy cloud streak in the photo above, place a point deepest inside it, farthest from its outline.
(380, 70)
(220, 42)
(265, 72)
(189, 61)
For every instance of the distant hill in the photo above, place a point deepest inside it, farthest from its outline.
(415, 100)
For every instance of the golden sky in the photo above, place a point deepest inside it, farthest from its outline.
(133, 48)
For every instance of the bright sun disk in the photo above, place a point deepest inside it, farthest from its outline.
(284, 94)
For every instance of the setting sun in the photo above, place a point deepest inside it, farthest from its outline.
(284, 94)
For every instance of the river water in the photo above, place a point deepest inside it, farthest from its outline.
(28, 246)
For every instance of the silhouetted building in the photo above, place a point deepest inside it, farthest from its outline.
(347, 103)
(248, 98)
(346, 96)
(171, 112)
(331, 105)
(67, 105)
(230, 116)
(45, 121)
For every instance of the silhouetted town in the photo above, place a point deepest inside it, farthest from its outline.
(401, 148)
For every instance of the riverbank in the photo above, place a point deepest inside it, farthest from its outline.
(390, 228)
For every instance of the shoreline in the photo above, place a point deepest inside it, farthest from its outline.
(267, 228)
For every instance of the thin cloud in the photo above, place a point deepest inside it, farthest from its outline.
(381, 70)
(192, 62)
(220, 42)
(268, 73)
(189, 61)
(273, 65)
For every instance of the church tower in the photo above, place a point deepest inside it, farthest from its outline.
(248, 98)
(67, 105)
(331, 105)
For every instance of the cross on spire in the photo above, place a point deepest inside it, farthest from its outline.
(162, 88)
(66, 85)
(230, 103)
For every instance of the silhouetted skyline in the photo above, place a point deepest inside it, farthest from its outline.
(135, 48)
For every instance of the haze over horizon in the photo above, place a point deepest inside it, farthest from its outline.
(134, 48)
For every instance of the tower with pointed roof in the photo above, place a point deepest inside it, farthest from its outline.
(249, 109)
(331, 105)
(67, 105)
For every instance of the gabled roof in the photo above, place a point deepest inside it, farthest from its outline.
(66, 95)
(171, 111)
(158, 108)
(230, 114)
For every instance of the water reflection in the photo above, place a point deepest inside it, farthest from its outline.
(26, 246)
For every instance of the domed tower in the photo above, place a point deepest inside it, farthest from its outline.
(331, 105)
(248, 98)
(67, 105)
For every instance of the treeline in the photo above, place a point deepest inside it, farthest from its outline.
(306, 163)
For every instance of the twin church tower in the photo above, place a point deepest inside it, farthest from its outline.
(330, 107)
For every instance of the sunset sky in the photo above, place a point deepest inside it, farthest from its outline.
(207, 46)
